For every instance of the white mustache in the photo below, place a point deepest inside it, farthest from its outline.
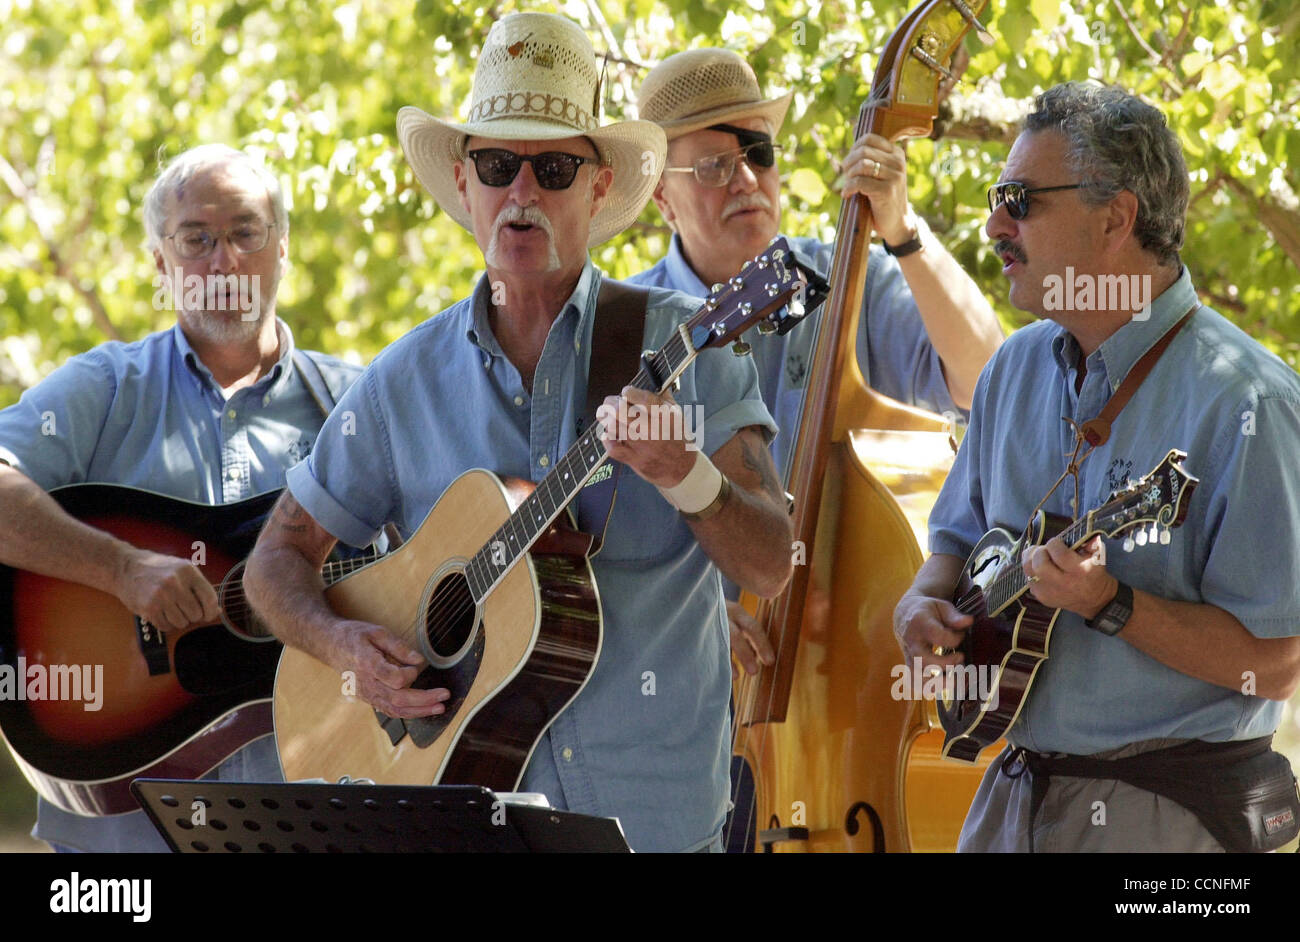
(755, 200)
(529, 214)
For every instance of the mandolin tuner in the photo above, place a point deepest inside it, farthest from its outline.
(1164, 537)
(1140, 537)
(1128, 544)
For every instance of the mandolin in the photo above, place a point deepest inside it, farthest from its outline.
(495, 589)
(1012, 631)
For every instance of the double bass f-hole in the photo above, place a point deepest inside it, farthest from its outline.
(852, 827)
(775, 834)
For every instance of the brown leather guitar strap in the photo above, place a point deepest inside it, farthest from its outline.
(1096, 432)
(616, 337)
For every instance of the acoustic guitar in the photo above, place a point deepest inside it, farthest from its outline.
(1012, 631)
(93, 696)
(495, 589)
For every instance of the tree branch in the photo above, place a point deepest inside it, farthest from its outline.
(37, 212)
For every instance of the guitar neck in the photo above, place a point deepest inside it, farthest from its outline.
(557, 490)
(332, 572)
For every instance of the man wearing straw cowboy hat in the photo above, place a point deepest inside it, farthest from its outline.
(500, 383)
(926, 330)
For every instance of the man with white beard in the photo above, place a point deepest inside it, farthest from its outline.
(214, 410)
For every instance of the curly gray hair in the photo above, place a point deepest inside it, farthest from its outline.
(184, 167)
(1115, 141)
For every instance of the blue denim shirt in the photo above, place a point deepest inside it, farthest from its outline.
(150, 415)
(1215, 394)
(894, 351)
(648, 738)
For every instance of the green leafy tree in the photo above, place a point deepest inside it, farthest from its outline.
(96, 96)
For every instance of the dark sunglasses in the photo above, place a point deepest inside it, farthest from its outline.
(554, 170)
(718, 169)
(1016, 196)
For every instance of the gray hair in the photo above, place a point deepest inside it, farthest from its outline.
(184, 167)
(1115, 141)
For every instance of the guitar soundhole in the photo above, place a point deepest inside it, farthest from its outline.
(450, 617)
(236, 614)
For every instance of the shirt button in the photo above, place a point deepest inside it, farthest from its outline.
(567, 753)
(519, 400)
(266, 400)
(544, 461)
(487, 364)
(230, 414)
(233, 474)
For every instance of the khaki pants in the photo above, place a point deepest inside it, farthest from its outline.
(1081, 814)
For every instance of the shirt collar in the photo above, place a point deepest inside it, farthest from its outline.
(1119, 352)
(581, 303)
(270, 385)
(680, 273)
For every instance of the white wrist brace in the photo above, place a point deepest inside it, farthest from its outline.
(699, 489)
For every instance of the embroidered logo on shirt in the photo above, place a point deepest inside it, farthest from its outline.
(299, 450)
(1117, 477)
(796, 369)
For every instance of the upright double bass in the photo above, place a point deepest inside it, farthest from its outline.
(837, 762)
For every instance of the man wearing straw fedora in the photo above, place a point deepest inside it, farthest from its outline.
(498, 381)
(926, 330)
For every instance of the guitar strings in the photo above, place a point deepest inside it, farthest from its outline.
(440, 607)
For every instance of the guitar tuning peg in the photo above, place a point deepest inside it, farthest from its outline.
(717, 287)
(1164, 537)
(765, 326)
(1140, 537)
(1154, 535)
(1128, 544)
(740, 348)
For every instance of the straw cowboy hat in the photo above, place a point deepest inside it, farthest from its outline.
(703, 87)
(537, 80)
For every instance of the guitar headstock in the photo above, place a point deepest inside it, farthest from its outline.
(1159, 500)
(776, 290)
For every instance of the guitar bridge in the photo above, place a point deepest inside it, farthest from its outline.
(153, 646)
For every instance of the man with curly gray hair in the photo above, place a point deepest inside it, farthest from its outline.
(1149, 726)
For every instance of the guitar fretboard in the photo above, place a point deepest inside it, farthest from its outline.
(555, 491)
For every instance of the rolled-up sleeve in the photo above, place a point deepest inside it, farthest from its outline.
(957, 520)
(51, 433)
(1253, 519)
(347, 482)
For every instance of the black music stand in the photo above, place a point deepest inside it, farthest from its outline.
(242, 817)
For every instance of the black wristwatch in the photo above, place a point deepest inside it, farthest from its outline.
(1112, 619)
(907, 248)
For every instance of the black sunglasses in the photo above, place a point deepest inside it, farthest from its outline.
(1016, 196)
(554, 170)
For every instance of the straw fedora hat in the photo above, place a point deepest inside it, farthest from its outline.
(702, 87)
(537, 80)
